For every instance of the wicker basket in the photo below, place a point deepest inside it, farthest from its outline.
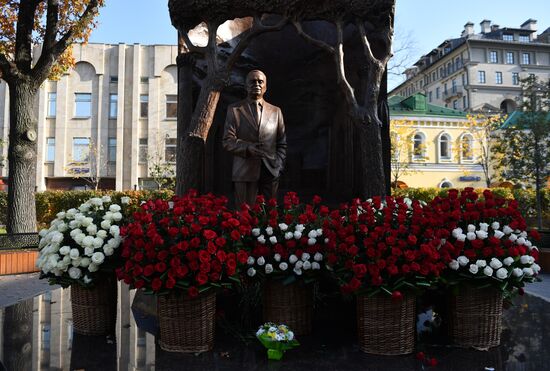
(94, 309)
(476, 317)
(291, 305)
(186, 324)
(386, 326)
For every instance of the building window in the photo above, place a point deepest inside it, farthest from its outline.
(113, 79)
(52, 104)
(455, 104)
(50, 149)
(444, 147)
(112, 149)
(170, 150)
(171, 106)
(445, 88)
(113, 105)
(498, 77)
(515, 78)
(481, 77)
(437, 93)
(144, 79)
(467, 148)
(464, 102)
(523, 38)
(81, 149)
(419, 146)
(493, 56)
(433, 76)
(453, 84)
(429, 96)
(449, 68)
(525, 58)
(143, 106)
(508, 37)
(510, 57)
(83, 105)
(143, 154)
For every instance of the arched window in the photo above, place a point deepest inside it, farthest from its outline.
(446, 184)
(444, 147)
(467, 147)
(419, 146)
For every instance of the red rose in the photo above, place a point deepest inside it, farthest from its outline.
(204, 256)
(220, 241)
(156, 284)
(420, 356)
(231, 264)
(162, 255)
(209, 234)
(148, 270)
(139, 284)
(221, 255)
(432, 362)
(242, 256)
(396, 296)
(193, 292)
(160, 267)
(235, 235)
(170, 283)
(211, 247)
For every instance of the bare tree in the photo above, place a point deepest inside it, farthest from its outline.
(92, 167)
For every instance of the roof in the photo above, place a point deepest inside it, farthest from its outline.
(517, 116)
(416, 105)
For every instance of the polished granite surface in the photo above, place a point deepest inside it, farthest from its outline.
(36, 334)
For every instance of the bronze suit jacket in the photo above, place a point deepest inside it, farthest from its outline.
(242, 131)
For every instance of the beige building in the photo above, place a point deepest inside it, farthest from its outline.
(480, 72)
(112, 115)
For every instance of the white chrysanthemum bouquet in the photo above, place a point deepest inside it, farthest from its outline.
(277, 339)
(81, 243)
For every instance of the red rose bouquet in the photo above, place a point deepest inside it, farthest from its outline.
(188, 244)
(381, 246)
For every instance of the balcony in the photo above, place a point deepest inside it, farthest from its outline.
(456, 92)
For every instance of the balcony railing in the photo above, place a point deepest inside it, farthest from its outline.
(456, 91)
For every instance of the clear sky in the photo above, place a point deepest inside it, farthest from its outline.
(427, 22)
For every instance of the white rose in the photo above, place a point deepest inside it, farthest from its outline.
(499, 234)
(57, 237)
(523, 234)
(536, 268)
(74, 233)
(88, 251)
(507, 229)
(106, 198)
(62, 227)
(71, 213)
(488, 271)
(481, 263)
(307, 265)
(283, 266)
(297, 271)
(117, 217)
(66, 259)
(461, 237)
(273, 240)
(88, 241)
(318, 257)
(305, 256)
(60, 215)
(474, 268)
(471, 236)
(471, 228)
(513, 237)
(250, 260)
(65, 250)
(79, 238)
(84, 207)
(43, 233)
(528, 243)
(283, 226)
(91, 229)
(482, 235)
(84, 262)
(319, 232)
(297, 235)
(300, 228)
(326, 240)
(268, 268)
(457, 232)
(114, 242)
(508, 261)
(108, 250)
(261, 260)
(87, 279)
(256, 232)
(251, 272)
(105, 224)
(108, 216)
(299, 264)
(75, 273)
(528, 272)
(98, 257)
(495, 225)
(277, 257)
(484, 226)
(96, 201)
(93, 267)
(502, 273)
(289, 235)
(462, 260)
(114, 230)
(87, 221)
(311, 241)
(114, 208)
(101, 234)
(269, 231)
(125, 200)
(454, 265)
(98, 242)
(495, 263)
(76, 262)
(315, 266)
(292, 259)
(73, 224)
(524, 259)
(261, 239)
(312, 234)
(517, 272)
(74, 253)
(520, 241)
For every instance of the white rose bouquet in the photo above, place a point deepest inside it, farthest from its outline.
(277, 339)
(81, 243)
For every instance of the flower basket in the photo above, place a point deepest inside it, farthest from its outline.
(386, 326)
(476, 317)
(186, 324)
(94, 308)
(290, 304)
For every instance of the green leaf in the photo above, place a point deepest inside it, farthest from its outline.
(388, 292)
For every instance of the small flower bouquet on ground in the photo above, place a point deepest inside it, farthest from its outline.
(277, 339)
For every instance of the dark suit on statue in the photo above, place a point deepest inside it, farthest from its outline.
(246, 126)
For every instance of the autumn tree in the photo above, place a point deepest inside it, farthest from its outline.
(49, 26)
(403, 150)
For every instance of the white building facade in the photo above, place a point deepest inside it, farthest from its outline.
(109, 117)
(480, 72)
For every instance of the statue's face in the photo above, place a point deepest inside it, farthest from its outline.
(256, 84)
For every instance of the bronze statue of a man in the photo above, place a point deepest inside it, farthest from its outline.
(255, 134)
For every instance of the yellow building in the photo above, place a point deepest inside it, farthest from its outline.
(433, 146)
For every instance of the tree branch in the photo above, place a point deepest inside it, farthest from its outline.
(257, 28)
(23, 35)
(8, 70)
(321, 44)
(190, 46)
(52, 19)
(367, 50)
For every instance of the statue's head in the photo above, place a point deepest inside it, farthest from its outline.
(256, 84)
